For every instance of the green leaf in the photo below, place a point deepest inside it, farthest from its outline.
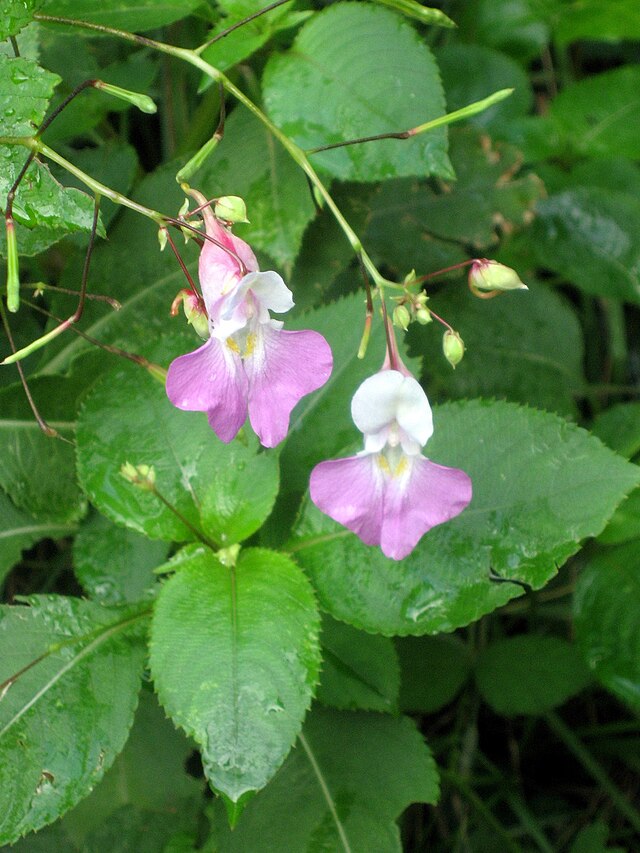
(514, 26)
(81, 695)
(19, 531)
(235, 658)
(329, 796)
(529, 674)
(524, 346)
(540, 486)
(607, 621)
(470, 72)
(38, 472)
(596, 21)
(25, 89)
(245, 40)
(115, 565)
(144, 831)
(141, 15)
(591, 236)
(592, 839)
(619, 428)
(227, 490)
(257, 168)
(433, 669)
(331, 87)
(16, 14)
(359, 671)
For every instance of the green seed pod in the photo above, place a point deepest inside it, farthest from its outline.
(401, 317)
(453, 347)
(487, 275)
(231, 208)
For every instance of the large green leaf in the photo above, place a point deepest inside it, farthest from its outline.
(141, 15)
(540, 486)
(37, 471)
(25, 89)
(252, 164)
(591, 236)
(341, 789)
(113, 564)
(607, 620)
(19, 531)
(530, 674)
(62, 721)
(16, 14)
(227, 490)
(359, 671)
(235, 658)
(332, 87)
(524, 347)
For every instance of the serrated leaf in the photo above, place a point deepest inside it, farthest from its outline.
(235, 657)
(342, 788)
(82, 695)
(591, 236)
(524, 346)
(331, 87)
(529, 674)
(433, 669)
(607, 621)
(19, 531)
(16, 14)
(143, 15)
(25, 90)
(359, 671)
(113, 564)
(257, 168)
(226, 490)
(38, 472)
(540, 486)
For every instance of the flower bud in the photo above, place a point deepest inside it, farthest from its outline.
(453, 347)
(162, 238)
(231, 208)
(487, 275)
(142, 102)
(401, 317)
(143, 476)
(193, 310)
(423, 316)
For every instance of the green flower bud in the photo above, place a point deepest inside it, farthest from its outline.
(453, 347)
(401, 317)
(162, 238)
(143, 476)
(142, 102)
(423, 316)
(193, 310)
(487, 275)
(231, 208)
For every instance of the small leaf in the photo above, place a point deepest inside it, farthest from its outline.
(540, 485)
(530, 674)
(25, 90)
(82, 694)
(607, 620)
(226, 490)
(115, 565)
(16, 14)
(235, 658)
(330, 88)
(329, 796)
(359, 671)
(434, 670)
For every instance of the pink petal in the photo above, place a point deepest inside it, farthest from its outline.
(351, 492)
(219, 269)
(211, 379)
(427, 495)
(283, 367)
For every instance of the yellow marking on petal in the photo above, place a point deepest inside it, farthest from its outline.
(250, 345)
(383, 464)
(401, 467)
(233, 346)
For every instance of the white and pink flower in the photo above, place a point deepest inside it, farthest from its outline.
(389, 494)
(249, 365)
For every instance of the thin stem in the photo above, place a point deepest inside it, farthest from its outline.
(573, 744)
(44, 426)
(430, 275)
(183, 266)
(196, 532)
(326, 793)
(40, 286)
(440, 320)
(238, 24)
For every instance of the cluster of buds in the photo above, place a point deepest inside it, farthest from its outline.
(411, 306)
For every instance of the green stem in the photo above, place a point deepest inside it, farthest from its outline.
(564, 733)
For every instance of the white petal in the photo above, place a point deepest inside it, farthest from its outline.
(389, 397)
(270, 291)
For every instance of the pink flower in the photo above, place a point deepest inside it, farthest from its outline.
(389, 494)
(249, 364)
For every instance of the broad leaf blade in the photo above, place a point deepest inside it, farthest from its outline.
(235, 658)
(16, 14)
(540, 486)
(141, 15)
(83, 695)
(331, 87)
